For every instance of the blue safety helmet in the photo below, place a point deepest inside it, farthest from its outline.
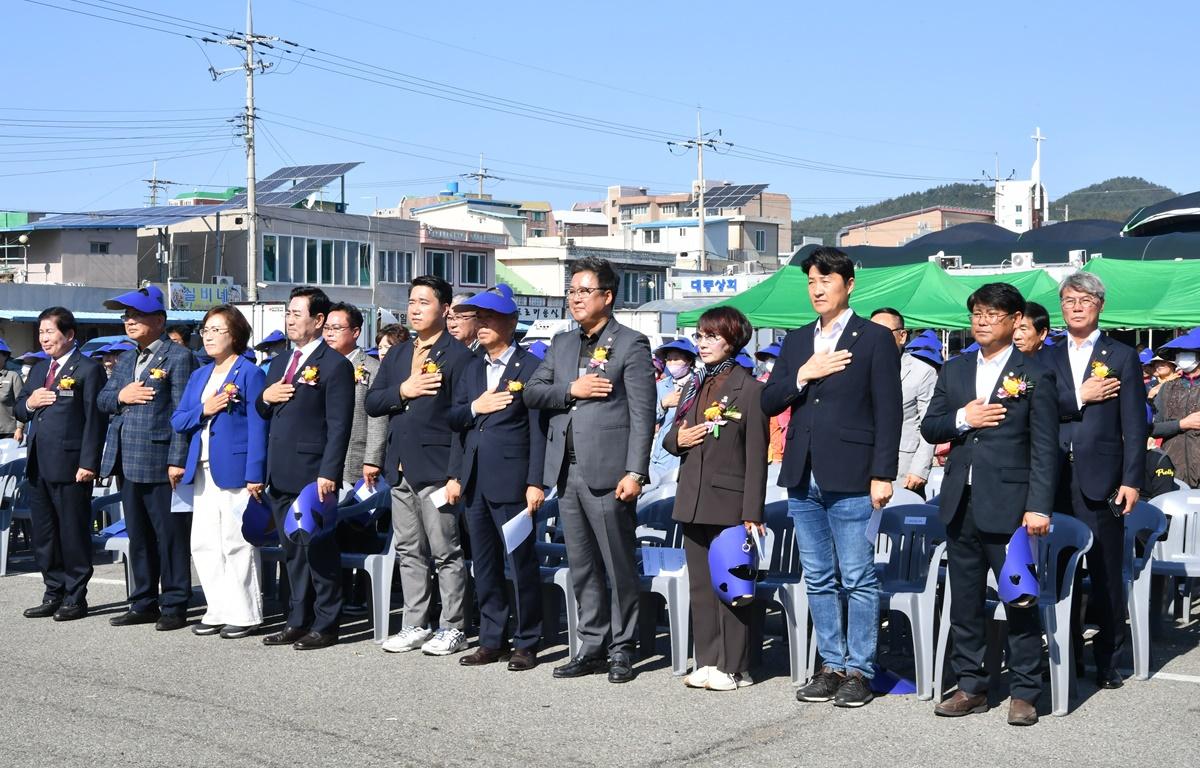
(732, 564)
(310, 518)
(1018, 582)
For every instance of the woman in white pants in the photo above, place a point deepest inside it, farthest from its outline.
(226, 462)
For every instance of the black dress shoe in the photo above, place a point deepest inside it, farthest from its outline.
(523, 659)
(1109, 679)
(71, 612)
(620, 669)
(170, 623)
(286, 636)
(483, 656)
(129, 618)
(232, 632)
(43, 611)
(203, 630)
(581, 666)
(315, 640)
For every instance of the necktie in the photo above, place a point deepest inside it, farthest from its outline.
(51, 374)
(291, 371)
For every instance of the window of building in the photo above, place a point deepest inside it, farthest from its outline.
(298, 259)
(634, 210)
(682, 232)
(326, 273)
(395, 266)
(179, 260)
(1020, 222)
(651, 235)
(284, 271)
(631, 288)
(614, 219)
(539, 215)
(311, 247)
(339, 262)
(668, 209)
(364, 264)
(470, 270)
(1018, 209)
(97, 247)
(270, 265)
(760, 240)
(438, 263)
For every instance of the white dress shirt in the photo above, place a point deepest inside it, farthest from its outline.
(987, 373)
(62, 363)
(1079, 354)
(305, 352)
(495, 370)
(827, 341)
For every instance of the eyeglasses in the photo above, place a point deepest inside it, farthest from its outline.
(988, 318)
(899, 331)
(1086, 302)
(207, 331)
(133, 317)
(336, 328)
(584, 292)
(705, 337)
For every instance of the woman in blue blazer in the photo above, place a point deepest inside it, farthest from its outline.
(226, 463)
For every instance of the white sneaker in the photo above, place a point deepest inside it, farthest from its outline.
(721, 681)
(445, 642)
(698, 677)
(407, 639)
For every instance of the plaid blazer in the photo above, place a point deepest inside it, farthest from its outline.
(368, 434)
(141, 443)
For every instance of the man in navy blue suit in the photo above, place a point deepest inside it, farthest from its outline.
(840, 377)
(309, 402)
(500, 471)
(414, 389)
(1102, 441)
(66, 436)
(149, 456)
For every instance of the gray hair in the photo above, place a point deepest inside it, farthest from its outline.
(1084, 282)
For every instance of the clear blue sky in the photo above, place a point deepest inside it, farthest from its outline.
(935, 89)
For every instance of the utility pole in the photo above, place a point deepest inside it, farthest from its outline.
(156, 184)
(481, 175)
(246, 42)
(712, 140)
(1039, 195)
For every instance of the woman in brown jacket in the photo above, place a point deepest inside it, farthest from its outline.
(722, 483)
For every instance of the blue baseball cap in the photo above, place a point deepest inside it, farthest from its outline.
(33, 356)
(101, 350)
(148, 300)
(538, 349)
(743, 359)
(121, 346)
(272, 338)
(771, 350)
(4, 347)
(498, 299)
(930, 355)
(972, 347)
(373, 352)
(1145, 356)
(681, 345)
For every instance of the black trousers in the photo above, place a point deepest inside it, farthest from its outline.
(314, 573)
(971, 553)
(721, 632)
(485, 520)
(62, 538)
(1105, 562)
(159, 549)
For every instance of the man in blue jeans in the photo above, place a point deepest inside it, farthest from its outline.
(840, 377)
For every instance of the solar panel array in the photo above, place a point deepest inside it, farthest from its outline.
(728, 196)
(273, 189)
(127, 218)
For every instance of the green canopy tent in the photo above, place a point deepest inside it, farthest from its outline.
(1147, 294)
(1034, 285)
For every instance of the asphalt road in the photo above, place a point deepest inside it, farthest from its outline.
(87, 694)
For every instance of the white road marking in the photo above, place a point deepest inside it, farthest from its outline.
(1176, 677)
(93, 580)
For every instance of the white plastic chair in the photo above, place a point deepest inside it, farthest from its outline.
(379, 568)
(119, 546)
(1054, 605)
(8, 449)
(933, 484)
(673, 586)
(552, 564)
(1147, 524)
(1177, 555)
(784, 585)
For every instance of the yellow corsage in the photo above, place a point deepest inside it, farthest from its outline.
(1012, 387)
(66, 383)
(1100, 370)
(599, 359)
(515, 386)
(431, 367)
(158, 373)
(309, 376)
(361, 376)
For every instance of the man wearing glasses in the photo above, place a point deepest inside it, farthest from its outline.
(1102, 439)
(917, 380)
(461, 323)
(149, 457)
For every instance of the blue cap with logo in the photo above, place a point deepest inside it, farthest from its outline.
(272, 338)
(148, 299)
(498, 300)
(681, 345)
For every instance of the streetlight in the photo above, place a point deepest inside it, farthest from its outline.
(23, 241)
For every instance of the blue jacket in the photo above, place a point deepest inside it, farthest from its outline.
(68, 435)
(308, 434)
(237, 448)
(501, 453)
(141, 444)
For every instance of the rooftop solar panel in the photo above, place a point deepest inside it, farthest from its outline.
(273, 188)
(728, 196)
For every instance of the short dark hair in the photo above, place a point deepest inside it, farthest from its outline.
(1038, 316)
(829, 261)
(352, 313)
(1003, 296)
(239, 327)
(728, 323)
(889, 311)
(63, 319)
(606, 276)
(440, 287)
(318, 301)
(184, 332)
(393, 332)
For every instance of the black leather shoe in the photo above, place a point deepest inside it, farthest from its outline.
(71, 612)
(1109, 679)
(43, 611)
(233, 632)
(204, 630)
(129, 618)
(315, 640)
(286, 636)
(581, 666)
(620, 669)
(170, 623)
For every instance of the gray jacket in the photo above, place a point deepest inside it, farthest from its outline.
(368, 435)
(917, 380)
(612, 435)
(10, 387)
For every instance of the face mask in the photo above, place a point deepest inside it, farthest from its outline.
(769, 365)
(677, 369)
(1186, 361)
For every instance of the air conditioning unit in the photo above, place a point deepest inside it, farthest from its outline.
(1077, 258)
(1023, 260)
(222, 280)
(946, 262)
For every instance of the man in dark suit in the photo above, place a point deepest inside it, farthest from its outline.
(597, 385)
(149, 456)
(1102, 441)
(840, 377)
(66, 436)
(500, 471)
(997, 408)
(414, 389)
(309, 404)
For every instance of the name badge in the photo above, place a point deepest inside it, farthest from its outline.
(66, 393)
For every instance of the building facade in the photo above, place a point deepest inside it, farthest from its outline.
(897, 230)
(547, 267)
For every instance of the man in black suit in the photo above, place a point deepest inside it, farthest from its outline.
(414, 389)
(500, 431)
(309, 403)
(1102, 442)
(840, 377)
(66, 436)
(997, 408)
